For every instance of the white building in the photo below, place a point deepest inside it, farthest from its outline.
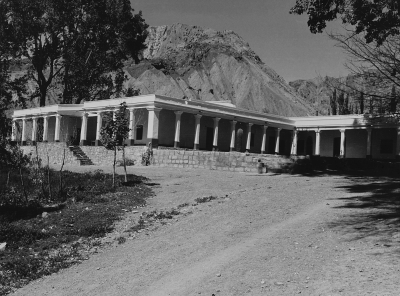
(217, 125)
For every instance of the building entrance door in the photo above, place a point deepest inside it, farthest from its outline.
(209, 138)
(336, 147)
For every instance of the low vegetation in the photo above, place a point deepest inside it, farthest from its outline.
(47, 227)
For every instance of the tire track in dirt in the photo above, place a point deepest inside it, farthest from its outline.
(185, 281)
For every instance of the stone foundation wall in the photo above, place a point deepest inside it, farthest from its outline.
(180, 158)
(227, 161)
(101, 156)
(55, 152)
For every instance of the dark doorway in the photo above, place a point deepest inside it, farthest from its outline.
(209, 138)
(271, 145)
(282, 147)
(336, 147)
(300, 147)
(239, 139)
(309, 146)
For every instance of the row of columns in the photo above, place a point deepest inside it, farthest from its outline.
(34, 129)
(216, 120)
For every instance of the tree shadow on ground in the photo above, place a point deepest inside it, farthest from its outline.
(374, 203)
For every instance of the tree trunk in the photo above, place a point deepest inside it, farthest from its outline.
(23, 185)
(123, 158)
(115, 160)
(61, 175)
(48, 175)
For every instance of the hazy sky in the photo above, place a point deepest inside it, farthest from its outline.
(283, 41)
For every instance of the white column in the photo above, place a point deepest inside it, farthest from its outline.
(14, 130)
(34, 130)
(294, 142)
(317, 142)
(152, 125)
(342, 141)
(98, 128)
(215, 139)
(83, 140)
(23, 137)
(45, 128)
(132, 120)
(264, 139)
(249, 125)
(177, 128)
(233, 135)
(369, 131)
(197, 132)
(278, 135)
(58, 125)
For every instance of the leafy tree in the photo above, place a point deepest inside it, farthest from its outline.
(341, 103)
(114, 132)
(77, 43)
(333, 102)
(393, 100)
(346, 109)
(377, 19)
(361, 102)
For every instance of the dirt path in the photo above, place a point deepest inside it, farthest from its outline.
(265, 235)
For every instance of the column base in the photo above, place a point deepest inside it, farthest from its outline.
(45, 141)
(276, 153)
(316, 156)
(83, 143)
(154, 143)
(262, 152)
(232, 149)
(33, 143)
(214, 148)
(196, 147)
(57, 141)
(97, 143)
(370, 156)
(176, 144)
(341, 156)
(23, 143)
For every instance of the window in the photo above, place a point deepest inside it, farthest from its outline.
(386, 146)
(139, 132)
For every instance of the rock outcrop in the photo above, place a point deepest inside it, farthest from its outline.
(203, 64)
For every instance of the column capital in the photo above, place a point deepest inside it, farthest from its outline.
(58, 115)
(265, 127)
(342, 130)
(250, 124)
(178, 112)
(369, 129)
(216, 119)
(233, 122)
(85, 114)
(295, 131)
(278, 128)
(198, 116)
(131, 109)
(318, 131)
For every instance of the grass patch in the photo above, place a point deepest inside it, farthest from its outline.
(46, 235)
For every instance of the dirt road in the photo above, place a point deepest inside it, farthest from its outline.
(264, 235)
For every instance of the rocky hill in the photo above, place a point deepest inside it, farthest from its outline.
(204, 64)
(317, 92)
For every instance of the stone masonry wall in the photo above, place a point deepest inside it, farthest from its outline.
(101, 156)
(227, 161)
(55, 152)
(180, 158)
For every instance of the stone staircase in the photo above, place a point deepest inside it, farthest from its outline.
(80, 155)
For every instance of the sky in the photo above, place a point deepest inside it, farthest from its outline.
(282, 40)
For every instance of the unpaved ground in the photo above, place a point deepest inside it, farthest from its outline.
(265, 235)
